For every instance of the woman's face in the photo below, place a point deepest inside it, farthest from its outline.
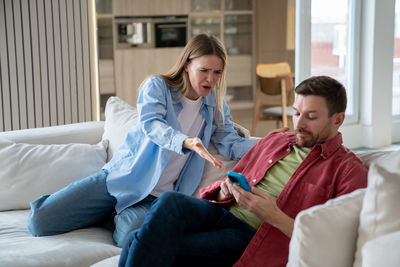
(204, 73)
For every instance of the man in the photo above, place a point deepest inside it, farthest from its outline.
(288, 172)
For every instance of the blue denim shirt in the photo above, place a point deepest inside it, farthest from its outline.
(137, 165)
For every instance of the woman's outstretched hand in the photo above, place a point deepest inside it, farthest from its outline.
(197, 146)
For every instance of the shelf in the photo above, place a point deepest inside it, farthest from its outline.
(104, 16)
(233, 34)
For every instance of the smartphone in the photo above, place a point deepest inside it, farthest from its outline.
(239, 179)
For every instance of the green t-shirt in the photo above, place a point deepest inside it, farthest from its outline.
(273, 182)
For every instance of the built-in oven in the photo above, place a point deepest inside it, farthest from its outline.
(170, 33)
(150, 32)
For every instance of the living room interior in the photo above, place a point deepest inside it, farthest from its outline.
(62, 62)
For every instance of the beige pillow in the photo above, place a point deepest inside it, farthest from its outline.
(326, 235)
(380, 213)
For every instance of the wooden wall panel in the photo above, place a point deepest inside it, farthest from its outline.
(46, 55)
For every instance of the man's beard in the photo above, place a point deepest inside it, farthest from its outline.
(309, 142)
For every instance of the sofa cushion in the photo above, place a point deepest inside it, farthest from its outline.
(326, 235)
(109, 262)
(31, 170)
(382, 251)
(120, 117)
(380, 211)
(82, 247)
(370, 156)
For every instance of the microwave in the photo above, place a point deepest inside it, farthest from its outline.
(151, 32)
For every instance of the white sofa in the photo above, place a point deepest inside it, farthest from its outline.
(41, 161)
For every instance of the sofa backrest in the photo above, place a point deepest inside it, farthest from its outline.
(84, 132)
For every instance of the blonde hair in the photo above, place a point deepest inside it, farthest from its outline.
(198, 46)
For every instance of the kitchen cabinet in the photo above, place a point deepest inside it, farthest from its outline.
(122, 69)
(150, 7)
(134, 65)
(232, 22)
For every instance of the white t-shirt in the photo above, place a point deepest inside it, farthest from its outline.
(191, 122)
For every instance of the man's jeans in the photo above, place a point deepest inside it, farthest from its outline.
(81, 204)
(180, 230)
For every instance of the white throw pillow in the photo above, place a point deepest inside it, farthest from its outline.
(326, 235)
(30, 170)
(120, 117)
(382, 251)
(380, 213)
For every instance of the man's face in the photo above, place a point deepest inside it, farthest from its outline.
(312, 125)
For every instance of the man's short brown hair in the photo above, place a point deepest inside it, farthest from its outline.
(327, 87)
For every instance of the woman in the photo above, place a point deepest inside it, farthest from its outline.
(180, 113)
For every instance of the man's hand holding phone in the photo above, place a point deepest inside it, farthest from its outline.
(239, 179)
(226, 186)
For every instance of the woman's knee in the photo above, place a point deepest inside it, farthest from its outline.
(37, 218)
(124, 225)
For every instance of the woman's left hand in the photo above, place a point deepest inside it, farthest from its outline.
(197, 146)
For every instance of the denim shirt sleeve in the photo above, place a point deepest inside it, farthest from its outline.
(157, 116)
(227, 140)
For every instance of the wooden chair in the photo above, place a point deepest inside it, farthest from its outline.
(273, 79)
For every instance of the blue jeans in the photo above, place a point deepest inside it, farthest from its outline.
(181, 230)
(81, 204)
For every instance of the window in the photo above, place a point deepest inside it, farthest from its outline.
(396, 63)
(331, 43)
(327, 34)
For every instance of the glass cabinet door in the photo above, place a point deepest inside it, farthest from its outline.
(241, 5)
(104, 7)
(205, 5)
(105, 38)
(238, 34)
(210, 24)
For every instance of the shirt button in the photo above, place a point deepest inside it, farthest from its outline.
(270, 161)
(254, 180)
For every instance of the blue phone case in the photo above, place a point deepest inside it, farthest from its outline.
(239, 179)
